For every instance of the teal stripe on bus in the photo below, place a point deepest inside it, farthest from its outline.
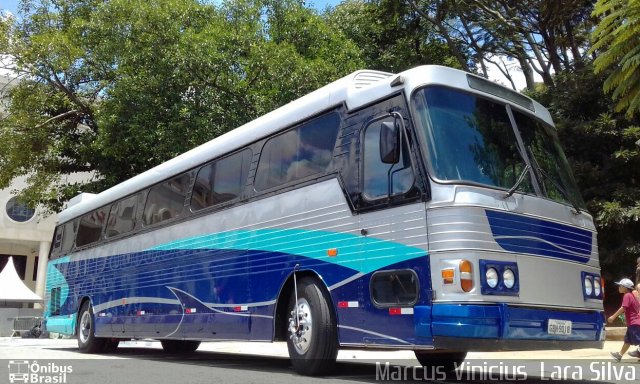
(360, 253)
(56, 279)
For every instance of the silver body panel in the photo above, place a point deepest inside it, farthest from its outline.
(458, 229)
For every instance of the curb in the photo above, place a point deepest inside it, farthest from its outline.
(616, 333)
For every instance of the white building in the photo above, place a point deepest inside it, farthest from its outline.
(25, 233)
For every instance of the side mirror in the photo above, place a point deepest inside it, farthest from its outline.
(390, 142)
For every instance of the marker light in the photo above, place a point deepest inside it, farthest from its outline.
(466, 275)
(492, 277)
(508, 278)
(597, 288)
(447, 276)
(588, 285)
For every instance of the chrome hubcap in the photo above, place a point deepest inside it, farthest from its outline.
(85, 327)
(302, 330)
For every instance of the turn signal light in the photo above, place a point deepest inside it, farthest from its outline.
(447, 276)
(466, 275)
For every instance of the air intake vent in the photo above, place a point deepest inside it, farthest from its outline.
(366, 78)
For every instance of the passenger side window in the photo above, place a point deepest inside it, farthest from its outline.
(221, 181)
(90, 228)
(68, 235)
(298, 153)
(57, 241)
(376, 174)
(122, 218)
(165, 201)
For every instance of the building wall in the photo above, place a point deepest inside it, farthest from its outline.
(30, 239)
(24, 239)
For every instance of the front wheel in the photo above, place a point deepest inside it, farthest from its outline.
(87, 340)
(313, 336)
(449, 361)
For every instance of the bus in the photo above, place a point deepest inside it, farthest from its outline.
(431, 210)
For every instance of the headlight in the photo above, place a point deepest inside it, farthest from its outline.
(492, 277)
(588, 286)
(597, 289)
(509, 278)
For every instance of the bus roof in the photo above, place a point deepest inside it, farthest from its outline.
(355, 90)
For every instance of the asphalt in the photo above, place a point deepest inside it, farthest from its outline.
(144, 361)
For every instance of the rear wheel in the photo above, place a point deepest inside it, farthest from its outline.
(312, 333)
(87, 340)
(179, 346)
(448, 360)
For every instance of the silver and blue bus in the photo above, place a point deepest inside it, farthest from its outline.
(431, 210)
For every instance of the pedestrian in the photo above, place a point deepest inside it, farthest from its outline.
(636, 293)
(638, 271)
(631, 309)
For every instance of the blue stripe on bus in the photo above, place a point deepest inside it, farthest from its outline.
(359, 253)
(521, 234)
(195, 266)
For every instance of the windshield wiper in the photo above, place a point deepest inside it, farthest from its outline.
(559, 187)
(518, 182)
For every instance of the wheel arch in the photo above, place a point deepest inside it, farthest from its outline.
(281, 318)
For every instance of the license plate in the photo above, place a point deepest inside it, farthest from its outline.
(559, 327)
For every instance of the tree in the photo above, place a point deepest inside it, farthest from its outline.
(601, 147)
(391, 35)
(543, 36)
(117, 87)
(617, 44)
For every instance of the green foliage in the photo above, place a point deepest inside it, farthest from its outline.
(617, 42)
(117, 87)
(601, 145)
(390, 34)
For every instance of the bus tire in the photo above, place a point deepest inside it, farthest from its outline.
(313, 340)
(87, 340)
(179, 346)
(449, 360)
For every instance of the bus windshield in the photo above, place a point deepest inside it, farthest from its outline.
(471, 139)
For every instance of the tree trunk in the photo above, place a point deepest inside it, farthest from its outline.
(527, 71)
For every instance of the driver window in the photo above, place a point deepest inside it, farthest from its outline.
(376, 174)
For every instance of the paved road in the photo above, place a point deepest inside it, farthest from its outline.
(266, 363)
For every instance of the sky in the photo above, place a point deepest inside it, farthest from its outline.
(9, 5)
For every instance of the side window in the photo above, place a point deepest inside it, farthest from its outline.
(397, 287)
(220, 181)
(297, 153)
(68, 235)
(57, 241)
(376, 174)
(54, 308)
(165, 201)
(90, 228)
(122, 218)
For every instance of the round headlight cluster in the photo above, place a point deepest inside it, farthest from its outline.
(492, 277)
(588, 286)
(597, 288)
(509, 278)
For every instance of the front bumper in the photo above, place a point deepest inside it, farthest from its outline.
(491, 327)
